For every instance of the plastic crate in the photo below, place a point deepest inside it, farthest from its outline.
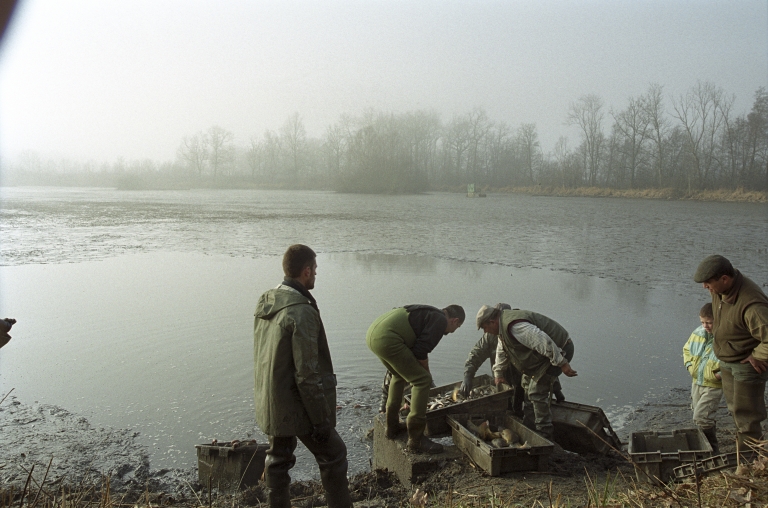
(228, 467)
(583, 429)
(657, 454)
(496, 461)
(436, 418)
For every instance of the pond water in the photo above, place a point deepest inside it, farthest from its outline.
(136, 309)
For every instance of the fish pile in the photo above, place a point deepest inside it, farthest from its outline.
(235, 443)
(502, 438)
(454, 397)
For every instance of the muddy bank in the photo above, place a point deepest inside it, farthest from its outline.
(64, 449)
(80, 454)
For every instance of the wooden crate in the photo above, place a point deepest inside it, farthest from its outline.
(437, 422)
(496, 461)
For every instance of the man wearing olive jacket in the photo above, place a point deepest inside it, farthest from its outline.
(402, 339)
(740, 311)
(295, 385)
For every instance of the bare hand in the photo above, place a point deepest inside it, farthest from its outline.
(759, 365)
(497, 381)
(567, 370)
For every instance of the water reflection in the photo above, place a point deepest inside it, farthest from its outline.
(390, 263)
(136, 309)
(161, 342)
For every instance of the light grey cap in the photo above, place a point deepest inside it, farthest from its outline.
(483, 314)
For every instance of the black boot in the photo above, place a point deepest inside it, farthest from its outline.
(394, 425)
(278, 498)
(418, 442)
(711, 435)
(279, 461)
(557, 389)
(332, 460)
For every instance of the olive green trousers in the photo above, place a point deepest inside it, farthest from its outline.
(391, 338)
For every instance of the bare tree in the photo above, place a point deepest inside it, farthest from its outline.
(272, 152)
(500, 154)
(530, 150)
(758, 139)
(478, 127)
(658, 125)
(562, 155)
(220, 149)
(254, 157)
(633, 126)
(457, 144)
(293, 137)
(700, 111)
(194, 151)
(587, 114)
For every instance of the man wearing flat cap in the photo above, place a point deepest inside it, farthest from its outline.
(740, 311)
(540, 348)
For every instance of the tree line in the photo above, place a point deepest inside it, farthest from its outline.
(691, 142)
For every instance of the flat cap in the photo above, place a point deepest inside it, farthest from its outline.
(711, 267)
(483, 314)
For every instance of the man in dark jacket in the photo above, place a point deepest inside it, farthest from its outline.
(295, 385)
(402, 339)
(740, 312)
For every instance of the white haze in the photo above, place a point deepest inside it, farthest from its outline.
(129, 78)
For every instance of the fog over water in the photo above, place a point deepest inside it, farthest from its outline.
(136, 308)
(132, 78)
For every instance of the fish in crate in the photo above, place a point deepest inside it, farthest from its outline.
(500, 438)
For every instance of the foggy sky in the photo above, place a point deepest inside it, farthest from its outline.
(103, 79)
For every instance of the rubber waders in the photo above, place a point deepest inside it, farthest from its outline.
(418, 443)
(394, 425)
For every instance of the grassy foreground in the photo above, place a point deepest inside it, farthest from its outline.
(747, 486)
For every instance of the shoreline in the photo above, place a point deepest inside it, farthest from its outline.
(76, 453)
(738, 195)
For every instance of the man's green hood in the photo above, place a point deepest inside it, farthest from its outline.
(275, 300)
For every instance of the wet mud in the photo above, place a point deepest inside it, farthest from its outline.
(36, 435)
(59, 448)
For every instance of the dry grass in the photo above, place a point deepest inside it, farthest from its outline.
(730, 195)
(748, 486)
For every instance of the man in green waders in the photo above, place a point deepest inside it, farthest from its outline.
(402, 339)
(539, 348)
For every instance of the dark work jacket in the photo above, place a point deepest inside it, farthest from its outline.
(429, 324)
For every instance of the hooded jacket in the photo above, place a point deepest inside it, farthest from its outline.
(295, 388)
